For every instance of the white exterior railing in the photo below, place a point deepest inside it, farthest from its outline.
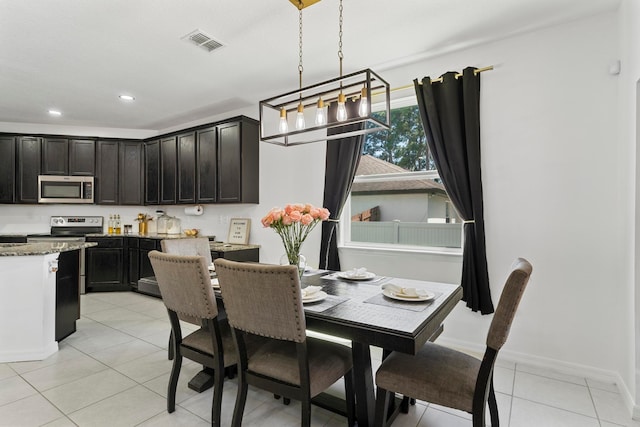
(407, 233)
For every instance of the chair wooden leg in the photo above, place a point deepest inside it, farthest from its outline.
(216, 407)
(241, 399)
(493, 406)
(173, 382)
(382, 405)
(171, 350)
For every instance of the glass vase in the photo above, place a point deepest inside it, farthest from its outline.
(295, 259)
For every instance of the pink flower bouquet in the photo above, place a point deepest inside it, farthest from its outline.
(293, 224)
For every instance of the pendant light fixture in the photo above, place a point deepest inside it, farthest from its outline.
(363, 87)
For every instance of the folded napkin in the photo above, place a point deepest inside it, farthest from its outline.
(356, 272)
(310, 291)
(405, 292)
(215, 283)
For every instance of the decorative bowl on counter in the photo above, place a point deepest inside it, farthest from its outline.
(191, 232)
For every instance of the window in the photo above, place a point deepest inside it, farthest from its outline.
(397, 199)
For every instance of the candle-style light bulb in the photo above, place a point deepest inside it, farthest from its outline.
(363, 110)
(283, 126)
(321, 114)
(300, 124)
(342, 108)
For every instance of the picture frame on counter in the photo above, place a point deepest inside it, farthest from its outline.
(239, 231)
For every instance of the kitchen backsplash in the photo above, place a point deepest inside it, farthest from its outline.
(30, 219)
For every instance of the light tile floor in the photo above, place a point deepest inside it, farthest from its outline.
(114, 371)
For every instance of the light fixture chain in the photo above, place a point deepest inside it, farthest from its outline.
(340, 55)
(300, 67)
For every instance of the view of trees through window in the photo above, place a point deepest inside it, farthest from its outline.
(404, 144)
(392, 202)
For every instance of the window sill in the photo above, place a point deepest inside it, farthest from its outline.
(398, 249)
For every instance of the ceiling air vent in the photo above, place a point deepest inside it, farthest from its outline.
(202, 40)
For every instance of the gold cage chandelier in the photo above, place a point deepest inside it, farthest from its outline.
(304, 115)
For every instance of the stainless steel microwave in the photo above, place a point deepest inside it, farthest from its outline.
(65, 189)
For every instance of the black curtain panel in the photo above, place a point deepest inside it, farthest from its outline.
(342, 159)
(450, 112)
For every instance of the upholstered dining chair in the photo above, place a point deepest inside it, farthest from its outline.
(265, 300)
(186, 290)
(449, 377)
(198, 246)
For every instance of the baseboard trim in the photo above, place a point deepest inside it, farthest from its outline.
(559, 366)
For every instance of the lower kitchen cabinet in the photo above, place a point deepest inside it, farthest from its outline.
(105, 268)
(67, 294)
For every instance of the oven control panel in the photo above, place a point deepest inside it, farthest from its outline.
(76, 221)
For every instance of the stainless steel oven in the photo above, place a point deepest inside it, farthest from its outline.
(71, 229)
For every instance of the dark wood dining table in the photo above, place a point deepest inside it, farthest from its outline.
(357, 310)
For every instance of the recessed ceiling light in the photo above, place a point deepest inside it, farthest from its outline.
(127, 98)
(55, 113)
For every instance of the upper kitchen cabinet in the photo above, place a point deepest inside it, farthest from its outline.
(82, 157)
(206, 165)
(29, 153)
(214, 164)
(130, 172)
(61, 156)
(186, 168)
(119, 173)
(168, 170)
(55, 156)
(7, 169)
(238, 162)
(106, 181)
(152, 172)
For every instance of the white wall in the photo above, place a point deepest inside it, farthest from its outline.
(558, 178)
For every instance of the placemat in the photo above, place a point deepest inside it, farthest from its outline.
(377, 280)
(325, 304)
(380, 299)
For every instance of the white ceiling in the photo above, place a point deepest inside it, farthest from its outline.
(77, 56)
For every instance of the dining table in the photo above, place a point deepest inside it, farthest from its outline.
(358, 309)
(365, 312)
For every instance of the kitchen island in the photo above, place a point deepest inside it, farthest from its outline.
(32, 309)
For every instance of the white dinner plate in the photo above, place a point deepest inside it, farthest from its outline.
(315, 297)
(426, 297)
(215, 283)
(350, 276)
(211, 267)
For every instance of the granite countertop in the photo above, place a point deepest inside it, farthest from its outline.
(214, 245)
(25, 249)
(228, 247)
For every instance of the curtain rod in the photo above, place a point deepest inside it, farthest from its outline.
(439, 79)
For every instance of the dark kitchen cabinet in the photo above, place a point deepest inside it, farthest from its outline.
(67, 294)
(7, 169)
(152, 172)
(130, 173)
(238, 162)
(82, 157)
(29, 153)
(206, 165)
(119, 173)
(106, 180)
(105, 267)
(186, 168)
(133, 254)
(61, 156)
(168, 170)
(145, 246)
(55, 156)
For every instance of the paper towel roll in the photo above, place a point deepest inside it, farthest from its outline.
(194, 210)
